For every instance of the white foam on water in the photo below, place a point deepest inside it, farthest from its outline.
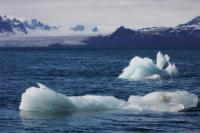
(144, 68)
(42, 99)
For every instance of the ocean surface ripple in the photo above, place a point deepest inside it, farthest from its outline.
(90, 73)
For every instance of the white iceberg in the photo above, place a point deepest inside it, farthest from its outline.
(42, 99)
(144, 68)
(163, 101)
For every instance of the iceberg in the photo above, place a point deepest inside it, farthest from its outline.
(42, 99)
(144, 68)
(163, 101)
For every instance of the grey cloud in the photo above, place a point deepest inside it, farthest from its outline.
(133, 13)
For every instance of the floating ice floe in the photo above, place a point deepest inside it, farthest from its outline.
(144, 68)
(42, 99)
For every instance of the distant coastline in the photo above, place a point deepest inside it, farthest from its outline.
(184, 35)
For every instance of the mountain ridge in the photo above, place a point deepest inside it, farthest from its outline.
(13, 25)
(181, 35)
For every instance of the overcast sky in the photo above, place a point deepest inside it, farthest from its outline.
(111, 13)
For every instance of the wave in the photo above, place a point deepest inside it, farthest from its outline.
(144, 68)
(43, 99)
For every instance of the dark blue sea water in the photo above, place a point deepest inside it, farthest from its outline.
(74, 72)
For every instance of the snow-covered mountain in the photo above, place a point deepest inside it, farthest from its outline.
(34, 24)
(187, 34)
(195, 22)
(84, 28)
(12, 26)
(78, 28)
(95, 29)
